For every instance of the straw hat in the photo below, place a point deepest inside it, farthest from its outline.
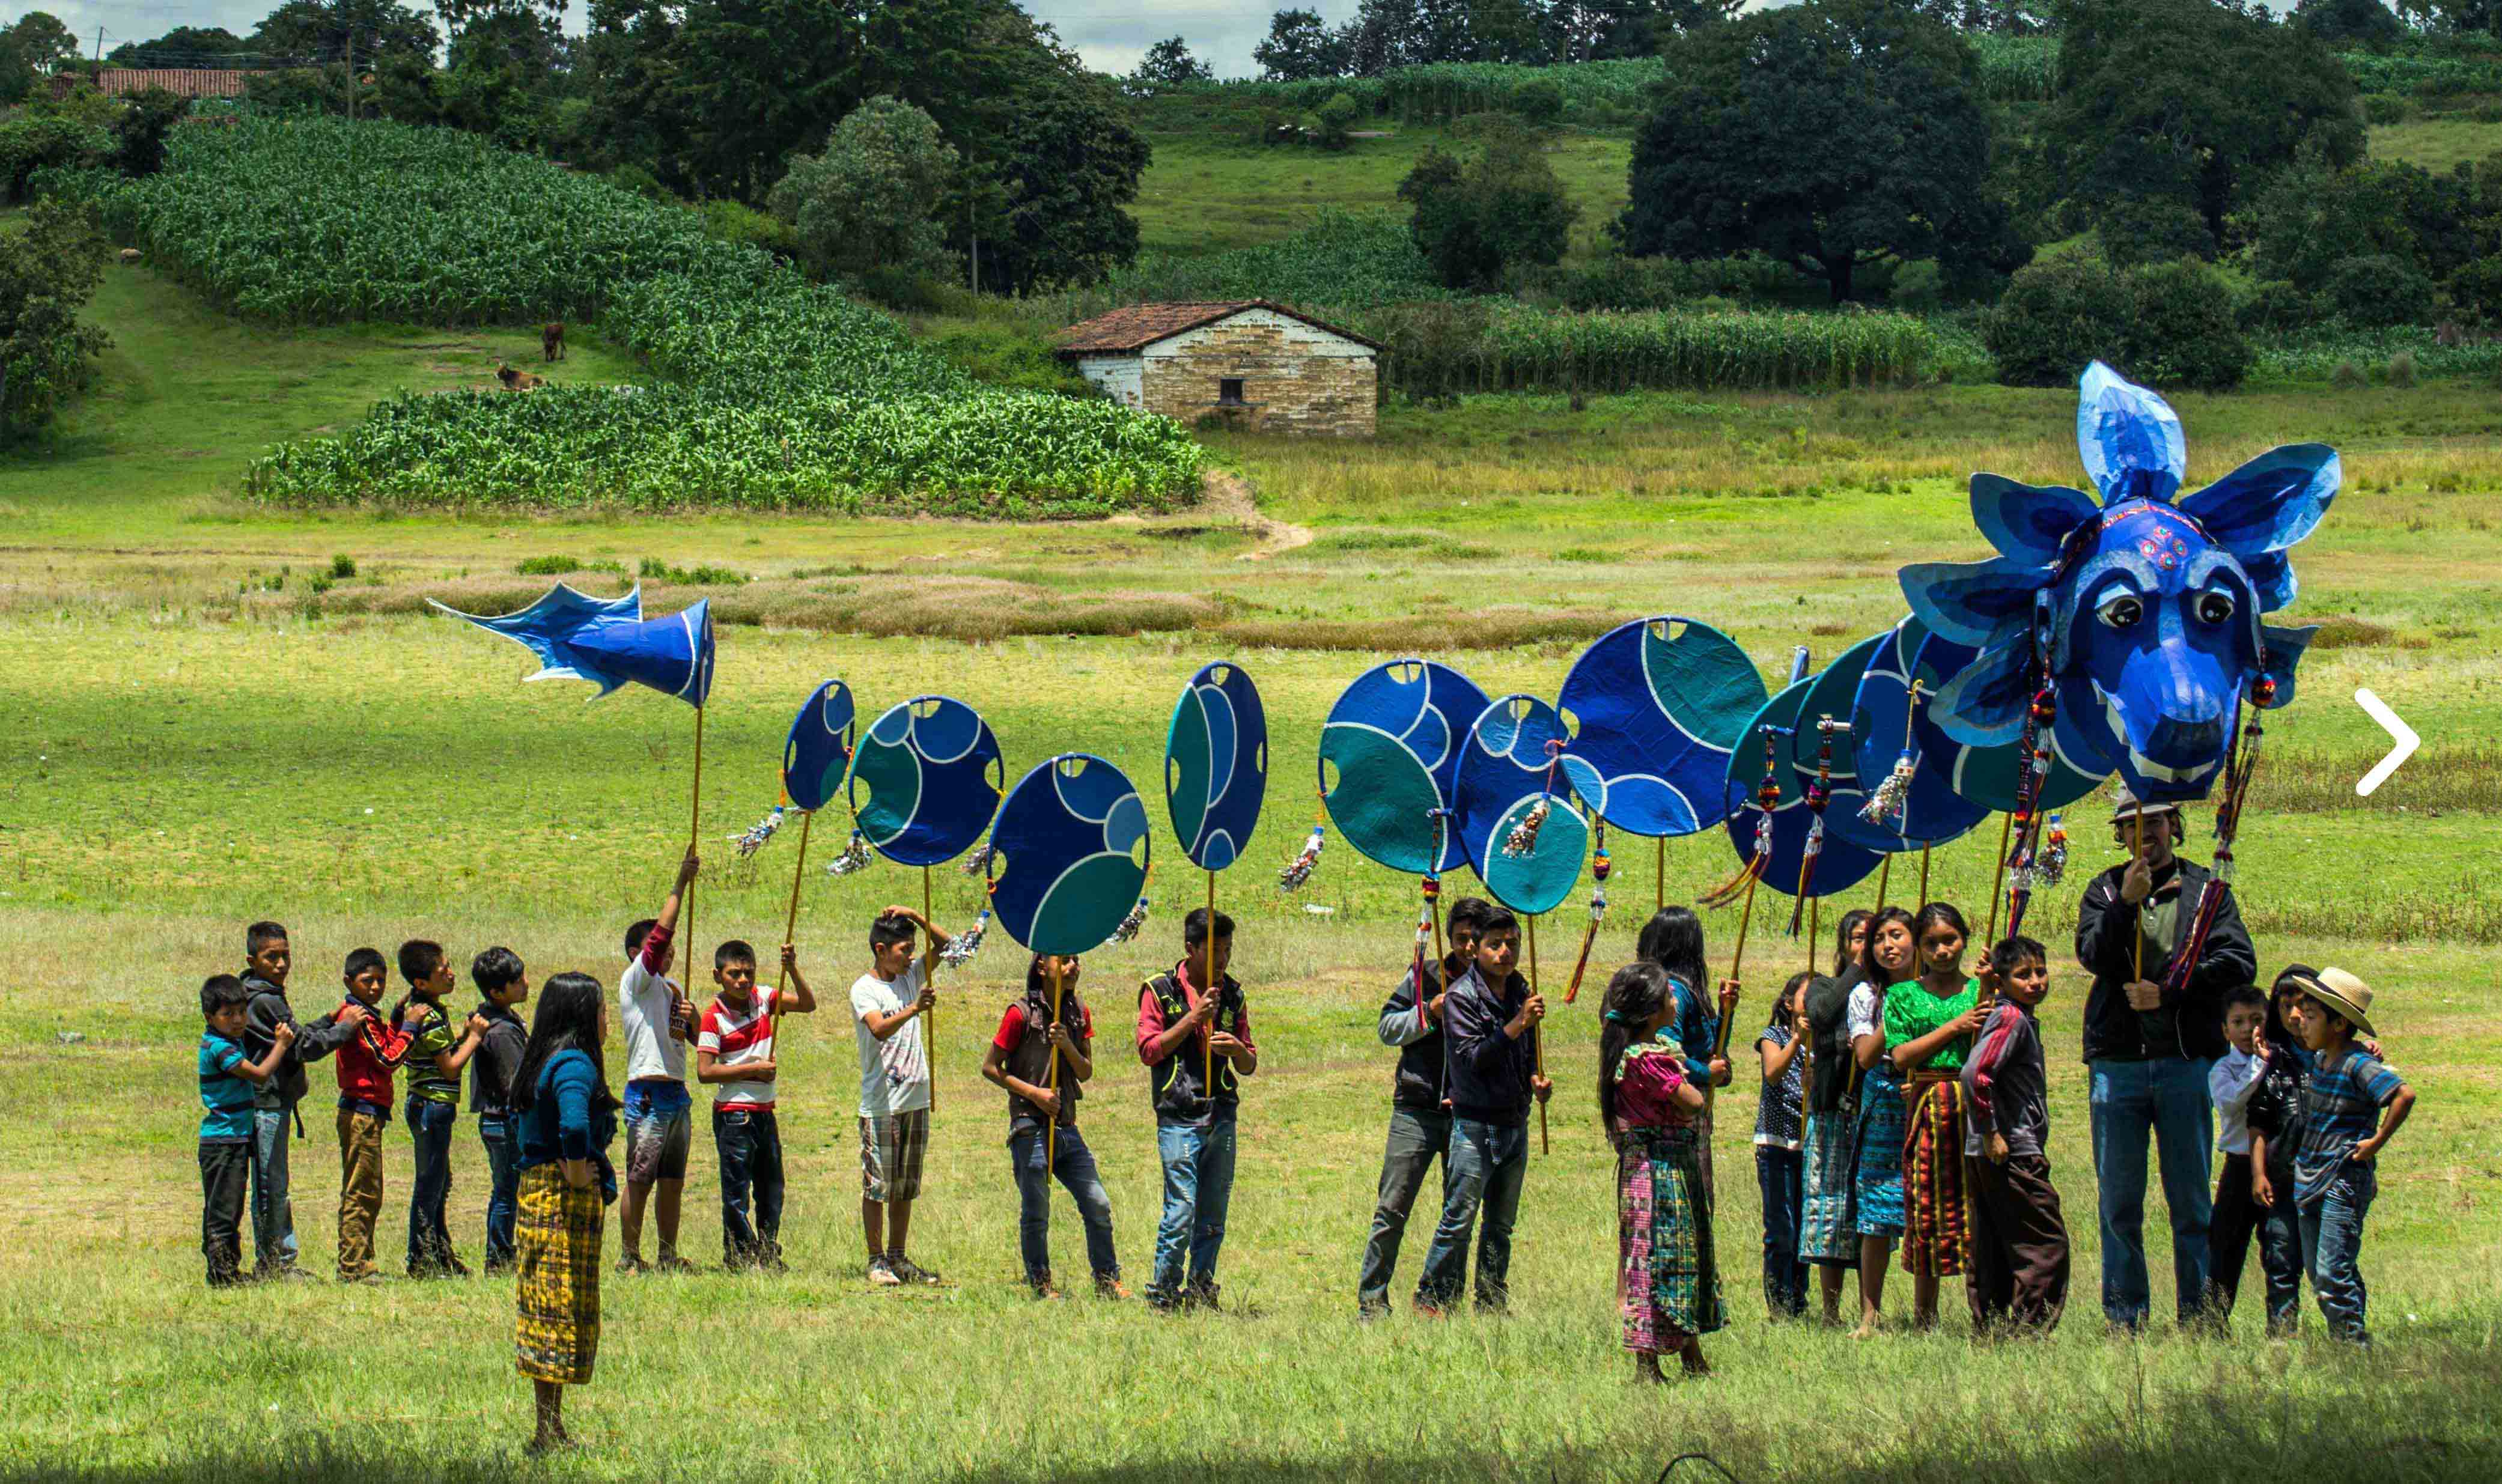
(2126, 806)
(2343, 992)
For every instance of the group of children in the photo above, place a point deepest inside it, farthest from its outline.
(1195, 1042)
(1904, 1103)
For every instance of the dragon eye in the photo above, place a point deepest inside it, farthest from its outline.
(2214, 607)
(2120, 609)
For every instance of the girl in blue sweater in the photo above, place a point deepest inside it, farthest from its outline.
(567, 1116)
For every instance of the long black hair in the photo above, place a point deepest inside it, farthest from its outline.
(1868, 954)
(1786, 1005)
(1037, 984)
(2289, 983)
(1672, 939)
(567, 1019)
(1936, 914)
(1634, 995)
(1843, 958)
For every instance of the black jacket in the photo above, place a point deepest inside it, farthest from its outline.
(268, 1010)
(2275, 1109)
(1828, 1012)
(1422, 1074)
(1178, 1085)
(1490, 1072)
(497, 1057)
(2190, 1023)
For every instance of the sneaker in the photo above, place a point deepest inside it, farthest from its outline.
(882, 1274)
(1045, 1292)
(1370, 1309)
(906, 1270)
(1112, 1288)
(672, 1262)
(1202, 1295)
(1164, 1301)
(630, 1264)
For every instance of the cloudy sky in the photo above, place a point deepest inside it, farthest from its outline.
(1110, 34)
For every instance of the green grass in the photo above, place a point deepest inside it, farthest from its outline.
(192, 748)
(1206, 193)
(2437, 143)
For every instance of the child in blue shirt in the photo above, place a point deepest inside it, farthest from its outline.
(2352, 1105)
(227, 1083)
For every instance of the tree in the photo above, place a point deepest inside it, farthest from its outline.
(1168, 65)
(1503, 209)
(207, 48)
(1300, 47)
(321, 30)
(2366, 24)
(46, 272)
(1606, 30)
(44, 40)
(2461, 18)
(2189, 100)
(1826, 135)
(139, 134)
(1064, 160)
(863, 205)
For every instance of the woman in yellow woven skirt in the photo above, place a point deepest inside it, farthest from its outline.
(1929, 1024)
(567, 1116)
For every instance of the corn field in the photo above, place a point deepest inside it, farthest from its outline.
(1441, 350)
(767, 392)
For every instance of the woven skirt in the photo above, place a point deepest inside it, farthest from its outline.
(1936, 1225)
(1668, 1281)
(1828, 1206)
(1876, 1156)
(556, 1242)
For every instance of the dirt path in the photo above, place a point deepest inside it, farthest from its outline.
(1229, 494)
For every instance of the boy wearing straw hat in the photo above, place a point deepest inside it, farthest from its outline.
(2351, 1106)
(2149, 1048)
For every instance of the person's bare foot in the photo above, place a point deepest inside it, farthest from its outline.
(1695, 1363)
(1646, 1369)
(1867, 1330)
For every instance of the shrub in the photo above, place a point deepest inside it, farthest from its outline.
(639, 180)
(1539, 101)
(2402, 369)
(747, 227)
(1334, 122)
(2385, 108)
(36, 142)
(1503, 209)
(2347, 377)
(2281, 308)
(2376, 291)
(46, 272)
(2055, 317)
(2153, 229)
(2181, 332)
(343, 565)
(865, 203)
(2476, 289)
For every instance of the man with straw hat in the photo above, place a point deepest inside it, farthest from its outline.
(2352, 1105)
(2149, 1037)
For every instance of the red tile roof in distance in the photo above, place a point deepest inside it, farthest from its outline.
(181, 81)
(1141, 325)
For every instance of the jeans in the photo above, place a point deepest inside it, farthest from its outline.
(273, 1215)
(1487, 1165)
(1781, 1176)
(2164, 1100)
(749, 1143)
(2332, 1247)
(503, 1137)
(1198, 1185)
(2239, 1217)
(1074, 1165)
(430, 1127)
(1418, 1138)
(225, 1169)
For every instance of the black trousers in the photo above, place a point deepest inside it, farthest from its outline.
(2239, 1217)
(225, 1176)
(2019, 1245)
(748, 1141)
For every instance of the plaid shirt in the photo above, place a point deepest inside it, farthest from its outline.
(2341, 1109)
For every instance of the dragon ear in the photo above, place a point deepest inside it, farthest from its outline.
(2130, 439)
(1984, 704)
(2281, 649)
(2269, 503)
(2271, 579)
(2025, 523)
(1973, 603)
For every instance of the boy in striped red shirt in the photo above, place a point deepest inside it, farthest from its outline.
(735, 1056)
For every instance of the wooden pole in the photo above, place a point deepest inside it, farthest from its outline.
(1208, 1041)
(1815, 928)
(1051, 1138)
(1659, 873)
(687, 899)
(789, 926)
(1885, 873)
(2137, 852)
(1998, 875)
(1539, 1031)
(929, 1022)
(1924, 876)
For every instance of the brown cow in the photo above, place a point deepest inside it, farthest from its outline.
(517, 381)
(551, 340)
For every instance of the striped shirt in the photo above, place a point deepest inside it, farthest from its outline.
(429, 1035)
(739, 1038)
(2341, 1109)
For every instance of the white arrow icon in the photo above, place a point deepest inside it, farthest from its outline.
(2379, 711)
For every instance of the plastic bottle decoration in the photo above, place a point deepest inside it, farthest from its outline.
(978, 862)
(2052, 865)
(1299, 869)
(1523, 838)
(959, 951)
(1885, 802)
(1129, 925)
(764, 829)
(854, 857)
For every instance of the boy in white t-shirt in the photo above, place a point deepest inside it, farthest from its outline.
(887, 1004)
(653, 1023)
(734, 1057)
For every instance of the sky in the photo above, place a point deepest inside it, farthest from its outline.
(1110, 34)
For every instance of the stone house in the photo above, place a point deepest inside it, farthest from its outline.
(1249, 362)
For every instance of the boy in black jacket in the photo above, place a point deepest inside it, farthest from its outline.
(502, 985)
(1420, 1122)
(1195, 1038)
(266, 960)
(1490, 1018)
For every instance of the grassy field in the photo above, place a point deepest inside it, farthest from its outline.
(199, 739)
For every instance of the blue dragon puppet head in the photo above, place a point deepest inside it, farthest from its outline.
(2135, 625)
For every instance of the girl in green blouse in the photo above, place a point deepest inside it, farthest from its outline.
(1929, 1026)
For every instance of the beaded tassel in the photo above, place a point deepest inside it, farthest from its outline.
(1524, 835)
(2052, 866)
(1599, 866)
(1885, 803)
(1299, 869)
(855, 856)
(1131, 925)
(758, 833)
(980, 860)
(959, 951)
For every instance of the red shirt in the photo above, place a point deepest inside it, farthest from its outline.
(1011, 1033)
(365, 1064)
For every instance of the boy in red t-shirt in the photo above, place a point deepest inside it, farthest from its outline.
(734, 1057)
(364, 1066)
(1020, 1061)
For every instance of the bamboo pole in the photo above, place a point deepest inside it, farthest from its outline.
(687, 899)
(929, 1022)
(1051, 1136)
(1659, 860)
(1207, 1038)
(2137, 852)
(1998, 874)
(1885, 873)
(789, 926)
(1539, 1031)
(1924, 876)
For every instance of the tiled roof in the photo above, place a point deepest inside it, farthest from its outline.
(1141, 325)
(181, 81)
